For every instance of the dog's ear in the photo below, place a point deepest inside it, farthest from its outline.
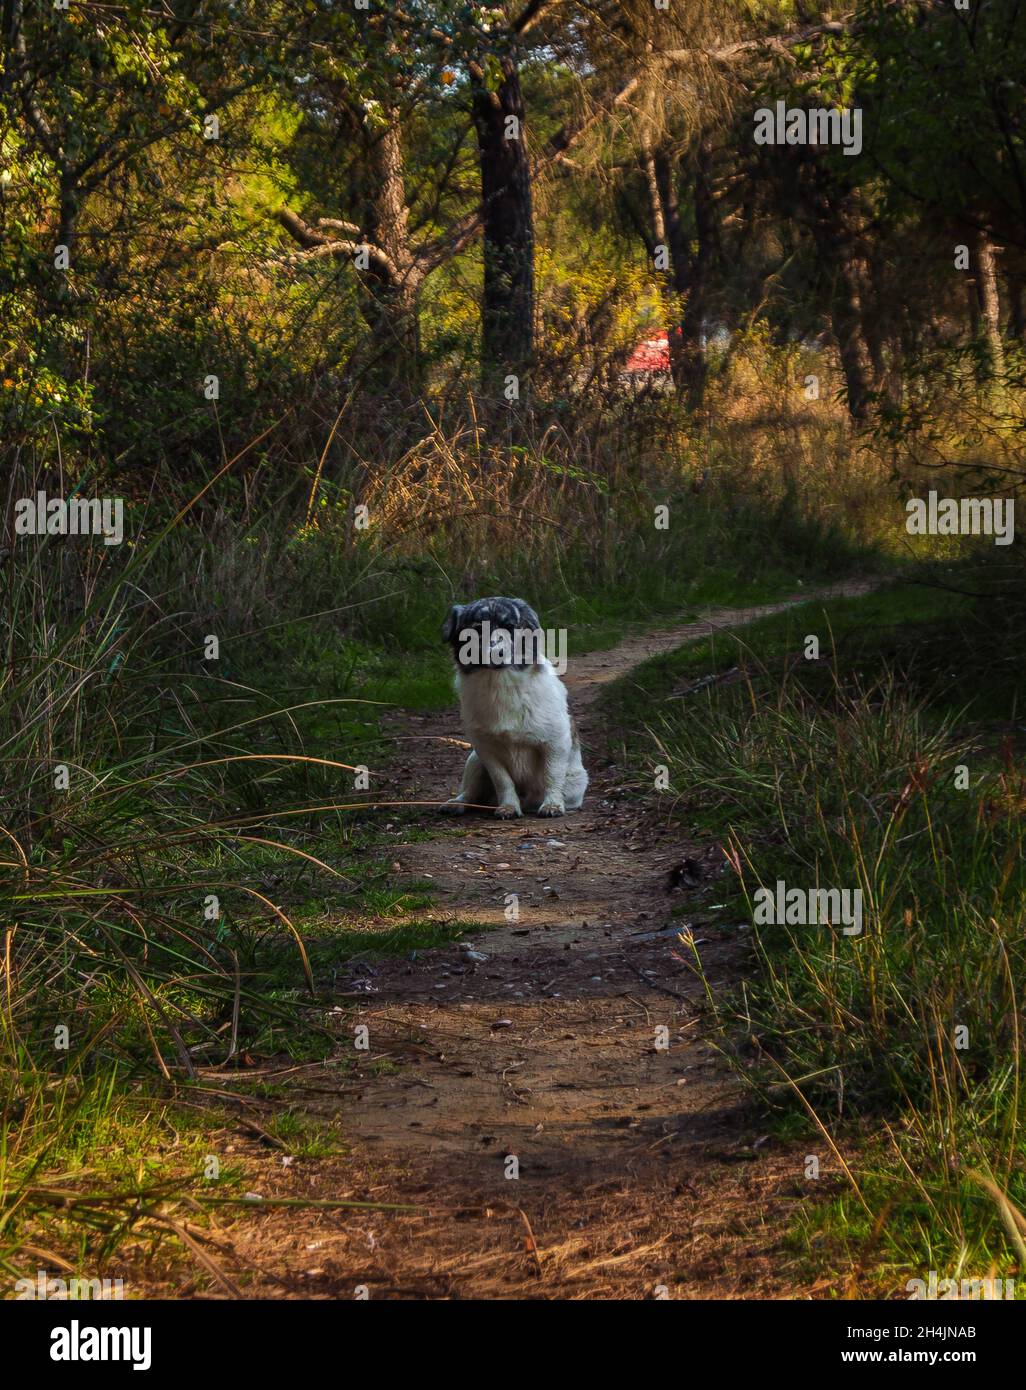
(527, 616)
(449, 627)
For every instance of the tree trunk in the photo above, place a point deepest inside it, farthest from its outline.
(985, 258)
(883, 335)
(693, 364)
(856, 360)
(67, 225)
(507, 309)
(394, 283)
(874, 324)
(838, 246)
(662, 215)
(684, 285)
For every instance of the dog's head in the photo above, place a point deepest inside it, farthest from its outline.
(494, 632)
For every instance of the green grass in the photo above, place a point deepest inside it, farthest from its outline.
(843, 772)
(869, 635)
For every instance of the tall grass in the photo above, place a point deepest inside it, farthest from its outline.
(137, 787)
(841, 774)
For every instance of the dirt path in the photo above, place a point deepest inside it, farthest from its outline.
(531, 1049)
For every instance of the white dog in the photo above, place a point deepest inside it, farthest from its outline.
(526, 754)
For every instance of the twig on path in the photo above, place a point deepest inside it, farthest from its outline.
(654, 984)
(205, 1260)
(532, 1244)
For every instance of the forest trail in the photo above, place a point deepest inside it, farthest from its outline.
(639, 1172)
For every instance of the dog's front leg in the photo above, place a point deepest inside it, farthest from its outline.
(556, 765)
(505, 789)
(475, 789)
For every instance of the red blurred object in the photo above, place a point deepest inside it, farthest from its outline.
(652, 355)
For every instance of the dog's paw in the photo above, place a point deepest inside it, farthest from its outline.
(455, 807)
(551, 808)
(507, 812)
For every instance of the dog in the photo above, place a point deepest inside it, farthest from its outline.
(525, 751)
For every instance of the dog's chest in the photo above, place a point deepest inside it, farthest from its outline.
(509, 704)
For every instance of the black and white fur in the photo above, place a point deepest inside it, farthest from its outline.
(526, 754)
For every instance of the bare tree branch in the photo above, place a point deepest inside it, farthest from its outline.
(317, 246)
